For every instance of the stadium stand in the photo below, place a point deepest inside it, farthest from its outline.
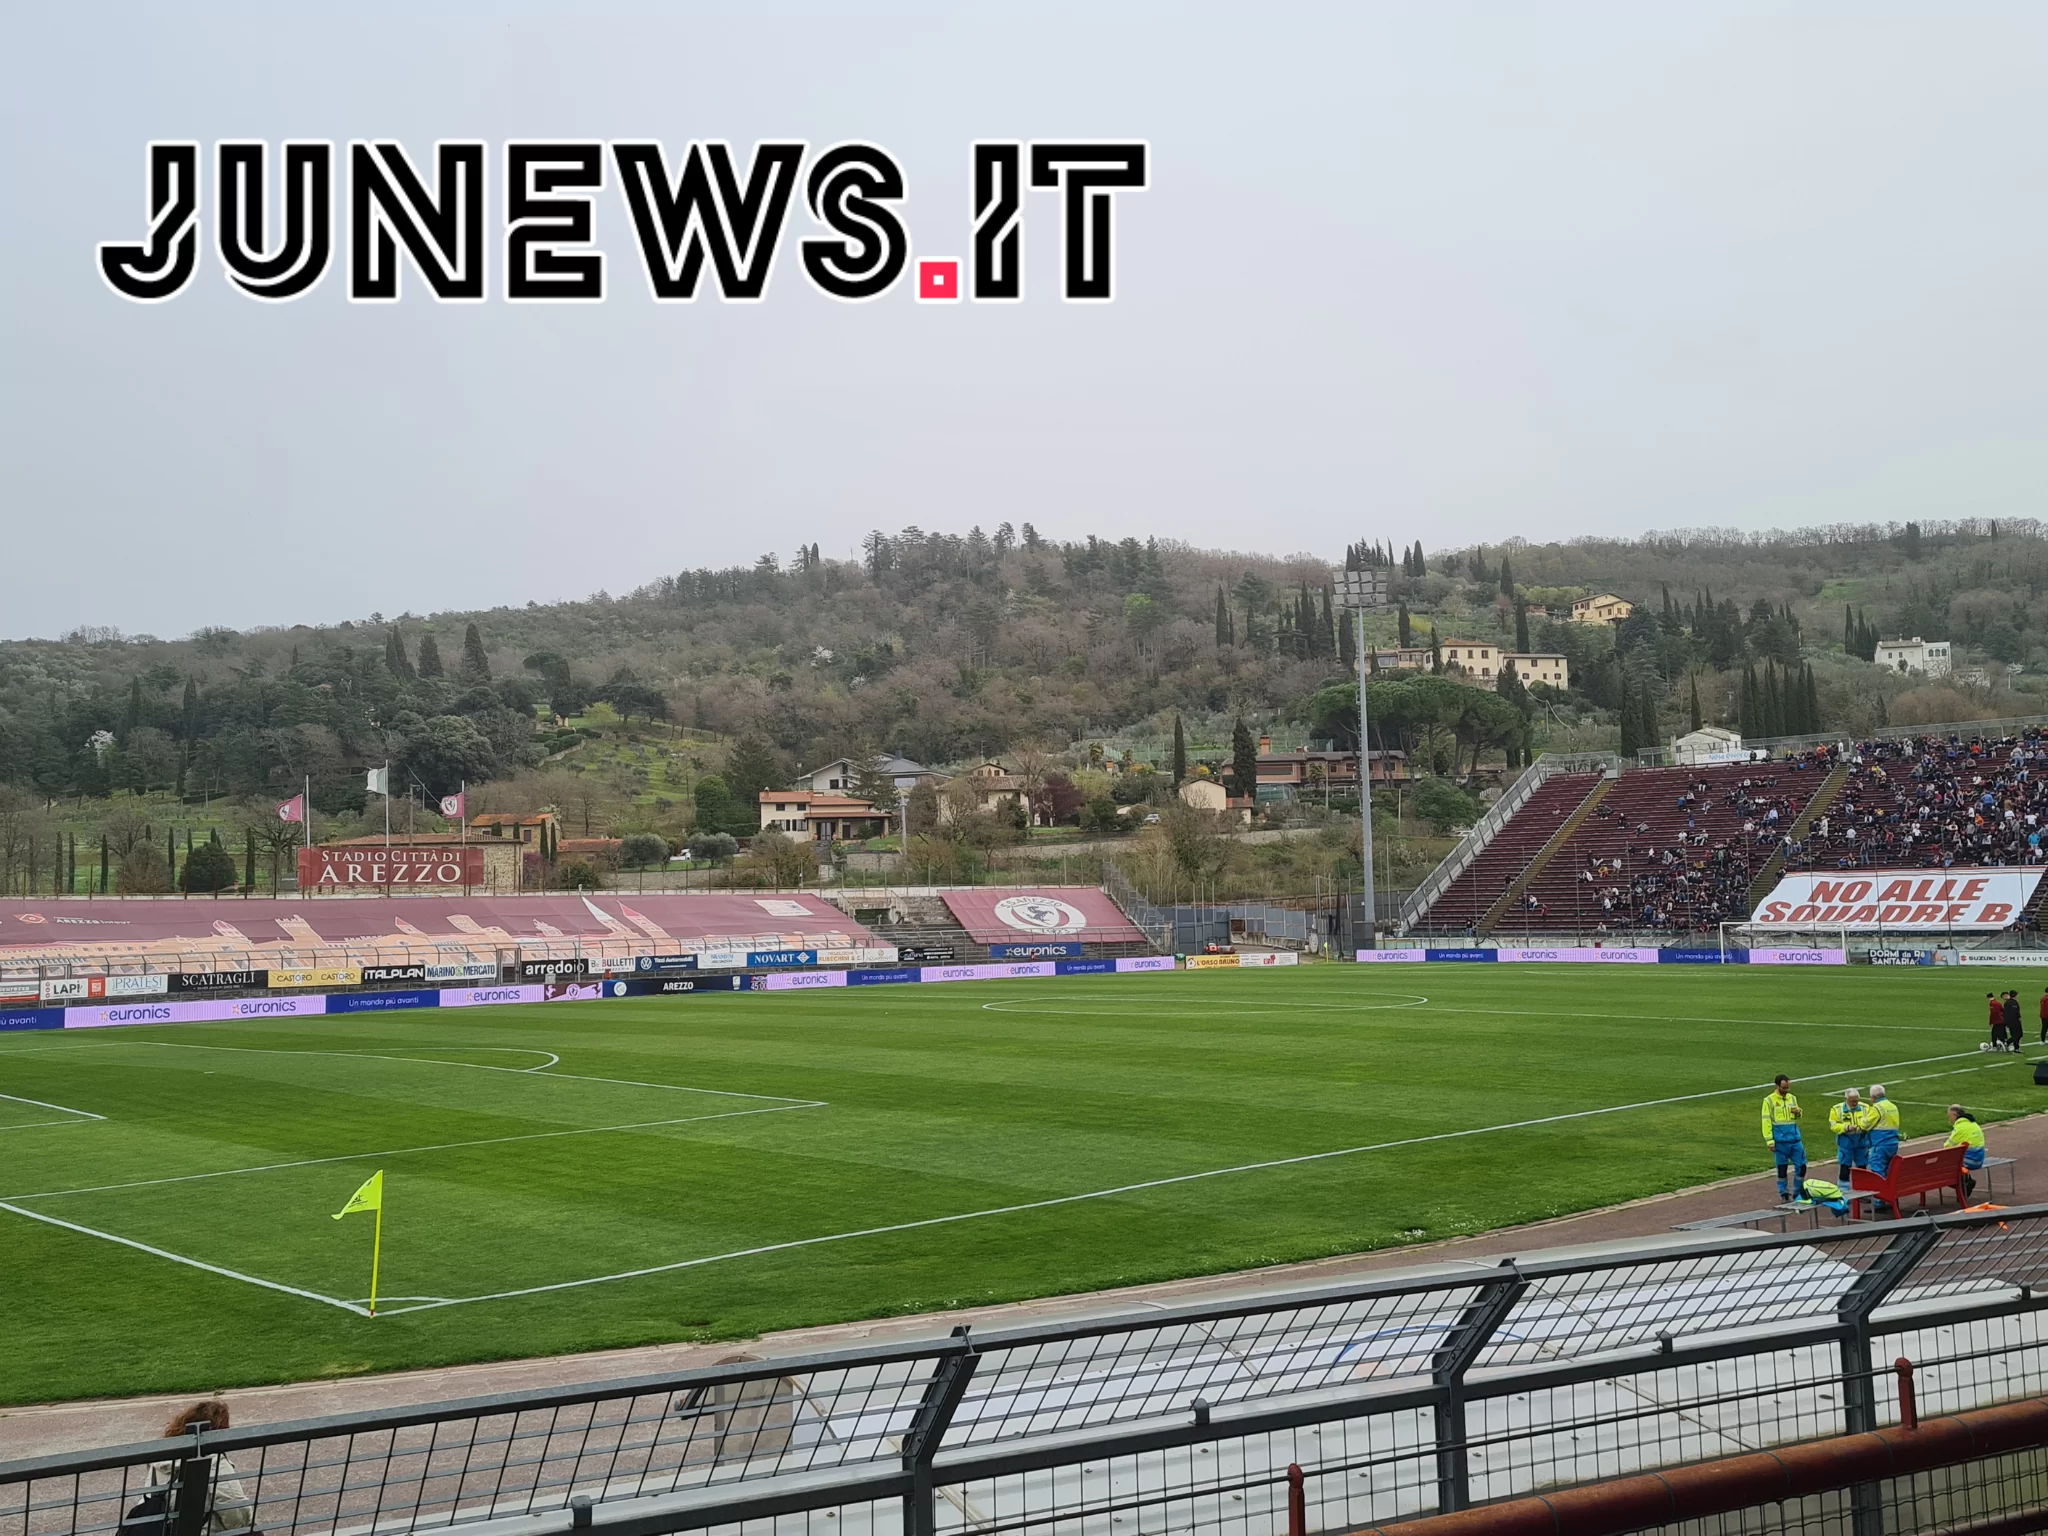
(1666, 850)
(1930, 802)
(1480, 886)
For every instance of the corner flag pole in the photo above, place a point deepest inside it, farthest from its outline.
(376, 1254)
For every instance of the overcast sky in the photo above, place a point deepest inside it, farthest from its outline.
(1404, 270)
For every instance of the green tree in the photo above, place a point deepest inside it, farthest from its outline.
(1404, 626)
(1522, 625)
(643, 850)
(142, 871)
(430, 657)
(750, 768)
(715, 806)
(476, 662)
(1694, 712)
(396, 662)
(1180, 753)
(208, 867)
(1444, 805)
(1244, 760)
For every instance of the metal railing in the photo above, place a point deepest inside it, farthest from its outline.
(1966, 729)
(1483, 831)
(1397, 1396)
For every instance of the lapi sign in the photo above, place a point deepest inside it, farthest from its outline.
(1907, 899)
(395, 868)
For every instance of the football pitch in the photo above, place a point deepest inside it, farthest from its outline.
(590, 1175)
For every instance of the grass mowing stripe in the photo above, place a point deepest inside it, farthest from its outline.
(445, 1146)
(1137, 1187)
(179, 1258)
(62, 1109)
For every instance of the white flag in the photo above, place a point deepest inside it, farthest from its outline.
(380, 781)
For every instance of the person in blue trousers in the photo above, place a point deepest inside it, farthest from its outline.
(1781, 1133)
(1852, 1135)
(1883, 1116)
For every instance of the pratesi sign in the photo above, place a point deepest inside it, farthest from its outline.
(1905, 899)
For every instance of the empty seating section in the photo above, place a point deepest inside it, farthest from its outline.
(1669, 850)
(1931, 802)
(1480, 884)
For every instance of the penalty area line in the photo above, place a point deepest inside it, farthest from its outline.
(1142, 1185)
(179, 1258)
(62, 1109)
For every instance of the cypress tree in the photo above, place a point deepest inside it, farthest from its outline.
(134, 716)
(1331, 645)
(1748, 714)
(1695, 713)
(1436, 655)
(248, 861)
(103, 864)
(171, 854)
(476, 665)
(1813, 719)
(430, 657)
(1222, 617)
(1507, 578)
(1405, 628)
(1244, 761)
(1522, 625)
(1347, 642)
(1631, 726)
(396, 662)
(1180, 753)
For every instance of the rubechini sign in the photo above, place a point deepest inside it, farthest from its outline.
(1905, 899)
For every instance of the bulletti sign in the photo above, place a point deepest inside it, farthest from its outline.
(1907, 899)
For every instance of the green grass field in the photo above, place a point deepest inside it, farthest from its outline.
(587, 1175)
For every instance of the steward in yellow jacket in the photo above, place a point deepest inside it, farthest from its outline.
(1781, 1132)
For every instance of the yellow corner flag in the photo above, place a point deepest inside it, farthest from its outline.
(370, 1197)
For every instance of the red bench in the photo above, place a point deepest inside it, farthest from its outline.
(1913, 1173)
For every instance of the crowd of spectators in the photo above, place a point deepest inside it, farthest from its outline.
(1931, 802)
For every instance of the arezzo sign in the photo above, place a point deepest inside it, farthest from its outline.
(366, 868)
(1907, 899)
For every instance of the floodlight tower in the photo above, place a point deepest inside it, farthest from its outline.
(1363, 592)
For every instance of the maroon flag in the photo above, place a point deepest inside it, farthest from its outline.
(452, 805)
(293, 809)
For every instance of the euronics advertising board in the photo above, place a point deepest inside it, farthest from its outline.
(1907, 900)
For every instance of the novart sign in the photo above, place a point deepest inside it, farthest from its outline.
(1910, 899)
(691, 213)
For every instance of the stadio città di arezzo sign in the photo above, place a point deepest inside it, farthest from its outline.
(362, 869)
(1909, 899)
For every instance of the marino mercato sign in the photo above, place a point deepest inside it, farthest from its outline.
(701, 220)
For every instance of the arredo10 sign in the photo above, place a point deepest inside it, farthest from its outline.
(690, 214)
(364, 869)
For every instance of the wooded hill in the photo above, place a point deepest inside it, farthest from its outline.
(949, 648)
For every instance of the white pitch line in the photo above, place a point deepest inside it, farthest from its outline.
(445, 1146)
(477, 1066)
(179, 1258)
(1145, 1184)
(62, 1109)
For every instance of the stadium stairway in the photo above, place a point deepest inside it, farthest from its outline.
(1544, 855)
(1822, 802)
(1480, 885)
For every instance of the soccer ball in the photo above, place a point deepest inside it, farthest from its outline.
(1983, 1045)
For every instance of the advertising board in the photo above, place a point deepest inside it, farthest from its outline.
(219, 981)
(1906, 900)
(674, 986)
(1068, 950)
(199, 1010)
(382, 1002)
(343, 976)
(546, 970)
(374, 975)
(1998, 957)
(468, 970)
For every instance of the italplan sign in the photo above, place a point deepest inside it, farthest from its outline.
(1906, 899)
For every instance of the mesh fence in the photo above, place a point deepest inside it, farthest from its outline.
(1394, 1398)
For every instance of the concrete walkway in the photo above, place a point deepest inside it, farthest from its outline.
(36, 1430)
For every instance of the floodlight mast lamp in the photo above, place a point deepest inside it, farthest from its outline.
(1362, 591)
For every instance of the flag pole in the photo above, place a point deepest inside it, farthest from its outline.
(376, 1253)
(306, 810)
(387, 802)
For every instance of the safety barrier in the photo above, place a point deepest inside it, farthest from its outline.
(1386, 1399)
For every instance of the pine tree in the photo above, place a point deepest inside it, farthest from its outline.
(1180, 753)
(1244, 761)
(476, 664)
(430, 657)
(1522, 625)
